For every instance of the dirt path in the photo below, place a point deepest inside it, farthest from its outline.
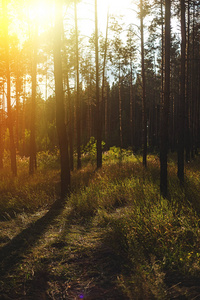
(53, 259)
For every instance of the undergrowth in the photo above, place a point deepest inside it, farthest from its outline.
(151, 237)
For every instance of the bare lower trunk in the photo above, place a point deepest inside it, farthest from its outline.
(60, 111)
(164, 138)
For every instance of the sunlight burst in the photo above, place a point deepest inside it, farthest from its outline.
(41, 12)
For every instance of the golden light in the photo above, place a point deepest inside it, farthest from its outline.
(115, 6)
(41, 12)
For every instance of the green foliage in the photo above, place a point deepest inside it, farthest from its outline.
(150, 237)
(90, 150)
(28, 193)
(149, 234)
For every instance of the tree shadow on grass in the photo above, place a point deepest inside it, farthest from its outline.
(12, 253)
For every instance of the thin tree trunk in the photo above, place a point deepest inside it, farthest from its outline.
(71, 127)
(60, 111)
(98, 104)
(181, 135)
(1, 143)
(187, 137)
(23, 119)
(120, 109)
(32, 161)
(164, 138)
(78, 108)
(131, 104)
(104, 99)
(1, 129)
(144, 115)
(162, 55)
(17, 109)
(9, 106)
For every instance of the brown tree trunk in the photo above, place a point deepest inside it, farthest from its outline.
(71, 127)
(187, 114)
(131, 104)
(9, 106)
(60, 111)
(98, 104)
(120, 110)
(181, 135)
(164, 138)
(32, 161)
(103, 97)
(144, 114)
(78, 105)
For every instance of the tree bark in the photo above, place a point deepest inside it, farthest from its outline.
(164, 138)
(98, 104)
(181, 135)
(32, 161)
(144, 115)
(9, 106)
(188, 90)
(103, 97)
(78, 107)
(60, 111)
(71, 127)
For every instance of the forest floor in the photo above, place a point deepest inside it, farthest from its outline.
(52, 258)
(55, 253)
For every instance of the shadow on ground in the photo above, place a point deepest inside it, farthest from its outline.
(12, 253)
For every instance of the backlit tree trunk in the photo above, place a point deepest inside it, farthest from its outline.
(32, 161)
(9, 105)
(182, 97)
(98, 105)
(78, 106)
(144, 115)
(60, 111)
(164, 138)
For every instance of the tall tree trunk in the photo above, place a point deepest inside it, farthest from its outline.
(164, 138)
(162, 54)
(78, 106)
(60, 111)
(23, 119)
(144, 114)
(9, 106)
(71, 127)
(181, 135)
(131, 104)
(2, 121)
(193, 84)
(17, 84)
(120, 108)
(103, 97)
(98, 104)
(32, 161)
(1, 141)
(187, 136)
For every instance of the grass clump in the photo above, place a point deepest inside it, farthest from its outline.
(25, 192)
(151, 236)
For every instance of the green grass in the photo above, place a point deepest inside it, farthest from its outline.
(151, 237)
(28, 193)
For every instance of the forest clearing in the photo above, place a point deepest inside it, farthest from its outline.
(114, 237)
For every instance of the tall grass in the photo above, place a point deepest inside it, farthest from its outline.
(151, 236)
(25, 192)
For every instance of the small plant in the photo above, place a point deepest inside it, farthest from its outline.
(90, 150)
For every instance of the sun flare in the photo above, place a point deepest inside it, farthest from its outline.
(41, 11)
